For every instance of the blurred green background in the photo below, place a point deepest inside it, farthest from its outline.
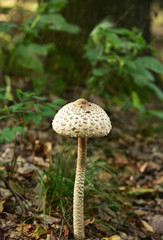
(108, 49)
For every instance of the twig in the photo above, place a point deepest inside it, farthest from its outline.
(17, 195)
(147, 209)
(60, 234)
(124, 14)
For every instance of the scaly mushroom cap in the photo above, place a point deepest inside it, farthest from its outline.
(82, 119)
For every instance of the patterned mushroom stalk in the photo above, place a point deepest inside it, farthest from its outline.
(81, 119)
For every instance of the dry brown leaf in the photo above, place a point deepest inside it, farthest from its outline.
(25, 229)
(115, 237)
(49, 220)
(159, 180)
(139, 212)
(66, 232)
(143, 167)
(1, 205)
(5, 193)
(50, 237)
(105, 175)
(147, 226)
(15, 235)
(40, 162)
(120, 158)
(88, 221)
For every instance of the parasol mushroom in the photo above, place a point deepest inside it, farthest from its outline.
(81, 119)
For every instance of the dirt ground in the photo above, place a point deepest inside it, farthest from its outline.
(138, 157)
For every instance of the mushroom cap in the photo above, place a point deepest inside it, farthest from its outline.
(82, 119)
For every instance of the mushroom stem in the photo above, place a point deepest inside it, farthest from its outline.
(78, 204)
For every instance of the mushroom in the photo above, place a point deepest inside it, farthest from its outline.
(81, 119)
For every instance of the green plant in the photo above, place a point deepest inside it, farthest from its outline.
(23, 110)
(20, 111)
(58, 182)
(57, 185)
(21, 53)
(119, 68)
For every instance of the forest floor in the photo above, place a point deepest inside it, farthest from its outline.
(133, 151)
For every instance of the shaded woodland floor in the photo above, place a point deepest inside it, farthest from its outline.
(133, 151)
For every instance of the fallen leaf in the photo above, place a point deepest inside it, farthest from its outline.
(139, 212)
(147, 226)
(105, 175)
(89, 221)
(5, 193)
(50, 237)
(159, 180)
(120, 158)
(141, 191)
(38, 161)
(15, 235)
(66, 232)
(49, 220)
(1, 205)
(115, 237)
(16, 186)
(38, 232)
(143, 167)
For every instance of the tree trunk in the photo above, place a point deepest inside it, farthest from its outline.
(87, 14)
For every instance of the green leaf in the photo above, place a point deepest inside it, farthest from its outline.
(2, 117)
(56, 19)
(19, 94)
(23, 96)
(38, 106)
(7, 135)
(6, 27)
(142, 76)
(99, 72)
(91, 80)
(57, 22)
(56, 107)
(114, 40)
(33, 49)
(32, 63)
(155, 113)
(37, 118)
(151, 63)
(19, 129)
(16, 107)
(39, 98)
(157, 90)
(47, 111)
(136, 101)
(92, 55)
(8, 93)
(59, 102)
(27, 118)
(43, 49)
(27, 55)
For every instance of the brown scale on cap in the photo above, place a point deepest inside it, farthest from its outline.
(82, 119)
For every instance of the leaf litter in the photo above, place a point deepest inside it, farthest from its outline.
(134, 167)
